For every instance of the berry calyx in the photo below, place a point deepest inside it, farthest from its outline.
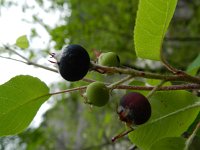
(74, 63)
(109, 59)
(134, 108)
(97, 94)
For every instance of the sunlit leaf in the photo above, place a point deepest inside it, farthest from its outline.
(155, 82)
(169, 143)
(22, 42)
(20, 99)
(194, 66)
(172, 114)
(153, 18)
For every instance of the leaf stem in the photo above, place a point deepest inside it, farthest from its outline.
(115, 84)
(192, 136)
(168, 66)
(155, 89)
(178, 72)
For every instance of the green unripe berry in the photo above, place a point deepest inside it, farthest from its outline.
(109, 59)
(97, 94)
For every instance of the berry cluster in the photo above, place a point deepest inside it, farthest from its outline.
(133, 109)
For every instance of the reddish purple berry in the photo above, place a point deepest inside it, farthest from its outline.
(134, 108)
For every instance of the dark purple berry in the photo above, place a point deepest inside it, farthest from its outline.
(74, 63)
(134, 108)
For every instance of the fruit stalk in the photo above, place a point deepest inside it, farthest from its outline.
(155, 89)
(115, 84)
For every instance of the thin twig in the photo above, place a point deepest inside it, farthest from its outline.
(136, 73)
(122, 134)
(4, 57)
(69, 90)
(27, 61)
(163, 88)
(15, 52)
(43, 67)
(147, 88)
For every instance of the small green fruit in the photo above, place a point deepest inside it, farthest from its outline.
(97, 94)
(109, 59)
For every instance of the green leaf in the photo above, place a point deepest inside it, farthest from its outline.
(194, 66)
(172, 114)
(153, 18)
(20, 99)
(193, 126)
(22, 42)
(169, 143)
(155, 82)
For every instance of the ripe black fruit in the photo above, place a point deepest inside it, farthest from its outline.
(134, 108)
(74, 63)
